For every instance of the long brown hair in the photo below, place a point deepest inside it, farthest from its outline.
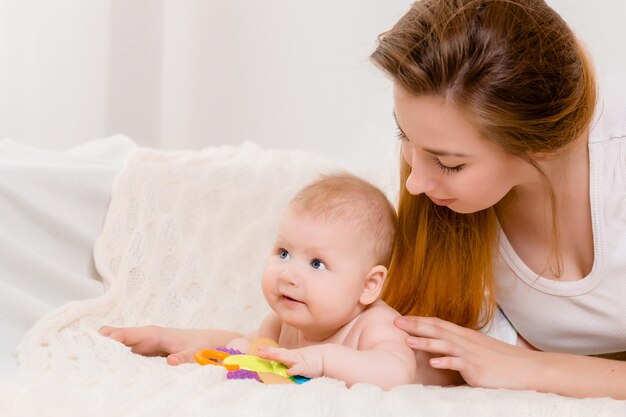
(516, 68)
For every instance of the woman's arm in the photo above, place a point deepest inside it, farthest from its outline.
(487, 362)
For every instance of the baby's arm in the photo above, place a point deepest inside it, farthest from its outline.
(178, 345)
(382, 357)
(269, 329)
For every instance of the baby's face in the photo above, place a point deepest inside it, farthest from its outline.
(316, 273)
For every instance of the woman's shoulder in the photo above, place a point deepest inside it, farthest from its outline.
(610, 117)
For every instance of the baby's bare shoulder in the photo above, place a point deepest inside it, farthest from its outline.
(377, 324)
(379, 312)
(378, 332)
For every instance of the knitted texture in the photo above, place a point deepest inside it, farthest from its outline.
(184, 244)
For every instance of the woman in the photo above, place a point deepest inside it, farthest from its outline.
(506, 189)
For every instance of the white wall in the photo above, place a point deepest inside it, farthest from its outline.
(600, 24)
(286, 73)
(194, 73)
(54, 65)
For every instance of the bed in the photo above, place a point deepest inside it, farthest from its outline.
(111, 233)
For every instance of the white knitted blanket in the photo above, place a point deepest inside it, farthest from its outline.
(184, 244)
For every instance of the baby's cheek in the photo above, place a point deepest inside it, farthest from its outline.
(267, 285)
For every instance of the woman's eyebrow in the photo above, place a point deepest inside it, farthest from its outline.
(435, 152)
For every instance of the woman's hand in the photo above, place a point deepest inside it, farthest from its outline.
(481, 360)
(178, 345)
(487, 362)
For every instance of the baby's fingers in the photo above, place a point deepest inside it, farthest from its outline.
(278, 354)
(186, 356)
(299, 369)
(114, 333)
(294, 361)
(142, 340)
(106, 330)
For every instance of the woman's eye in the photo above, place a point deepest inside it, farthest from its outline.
(400, 136)
(448, 170)
(318, 264)
(283, 254)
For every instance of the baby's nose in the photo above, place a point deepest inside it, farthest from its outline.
(289, 276)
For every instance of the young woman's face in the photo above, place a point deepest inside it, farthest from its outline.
(450, 162)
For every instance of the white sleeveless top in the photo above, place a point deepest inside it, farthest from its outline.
(587, 316)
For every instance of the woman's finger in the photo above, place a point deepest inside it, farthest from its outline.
(431, 327)
(437, 346)
(434, 328)
(447, 362)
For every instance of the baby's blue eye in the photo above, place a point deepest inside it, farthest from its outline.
(283, 254)
(318, 264)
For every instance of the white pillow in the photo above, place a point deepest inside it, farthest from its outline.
(188, 233)
(52, 208)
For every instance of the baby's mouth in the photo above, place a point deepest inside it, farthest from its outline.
(289, 300)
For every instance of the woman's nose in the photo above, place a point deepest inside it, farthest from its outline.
(420, 180)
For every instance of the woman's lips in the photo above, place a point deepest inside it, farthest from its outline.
(441, 202)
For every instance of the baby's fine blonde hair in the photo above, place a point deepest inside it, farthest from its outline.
(355, 202)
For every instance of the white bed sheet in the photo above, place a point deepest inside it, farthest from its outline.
(52, 207)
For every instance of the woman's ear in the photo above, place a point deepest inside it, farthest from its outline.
(373, 284)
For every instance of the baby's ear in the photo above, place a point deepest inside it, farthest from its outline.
(373, 284)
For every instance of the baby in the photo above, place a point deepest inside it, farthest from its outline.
(322, 280)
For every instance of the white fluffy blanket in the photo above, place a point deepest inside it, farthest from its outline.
(184, 244)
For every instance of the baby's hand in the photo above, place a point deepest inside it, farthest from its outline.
(179, 345)
(307, 361)
(239, 343)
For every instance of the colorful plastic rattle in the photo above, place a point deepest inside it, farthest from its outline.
(241, 366)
